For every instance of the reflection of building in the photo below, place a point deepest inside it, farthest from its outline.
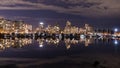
(15, 43)
(53, 41)
(69, 42)
(86, 41)
(48, 41)
(19, 42)
(41, 42)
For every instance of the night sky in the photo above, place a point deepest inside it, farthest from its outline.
(98, 13)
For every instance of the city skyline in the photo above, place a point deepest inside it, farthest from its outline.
(60, 33)
(13, 26)
(59, 24)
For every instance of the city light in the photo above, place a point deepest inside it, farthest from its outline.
(115, 42)
(41, 23)
(23, 29)
(40, 45)
(116, 30)
(82, 36)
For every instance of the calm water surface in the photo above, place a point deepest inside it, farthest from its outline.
(53, 52)
(50, 48)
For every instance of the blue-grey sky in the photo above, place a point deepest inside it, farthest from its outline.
(99, 13)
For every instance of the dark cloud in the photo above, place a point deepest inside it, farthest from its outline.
(88, 8)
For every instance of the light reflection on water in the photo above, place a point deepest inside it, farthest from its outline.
(21, 42)
(54, 45)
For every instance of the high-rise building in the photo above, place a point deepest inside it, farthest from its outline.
(67, 29)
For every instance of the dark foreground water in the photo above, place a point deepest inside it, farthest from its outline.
(56, 53)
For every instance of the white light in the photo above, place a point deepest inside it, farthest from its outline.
(115, 29)
(82, 36)
(41, 23)
(40, 45)
(115, 42)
